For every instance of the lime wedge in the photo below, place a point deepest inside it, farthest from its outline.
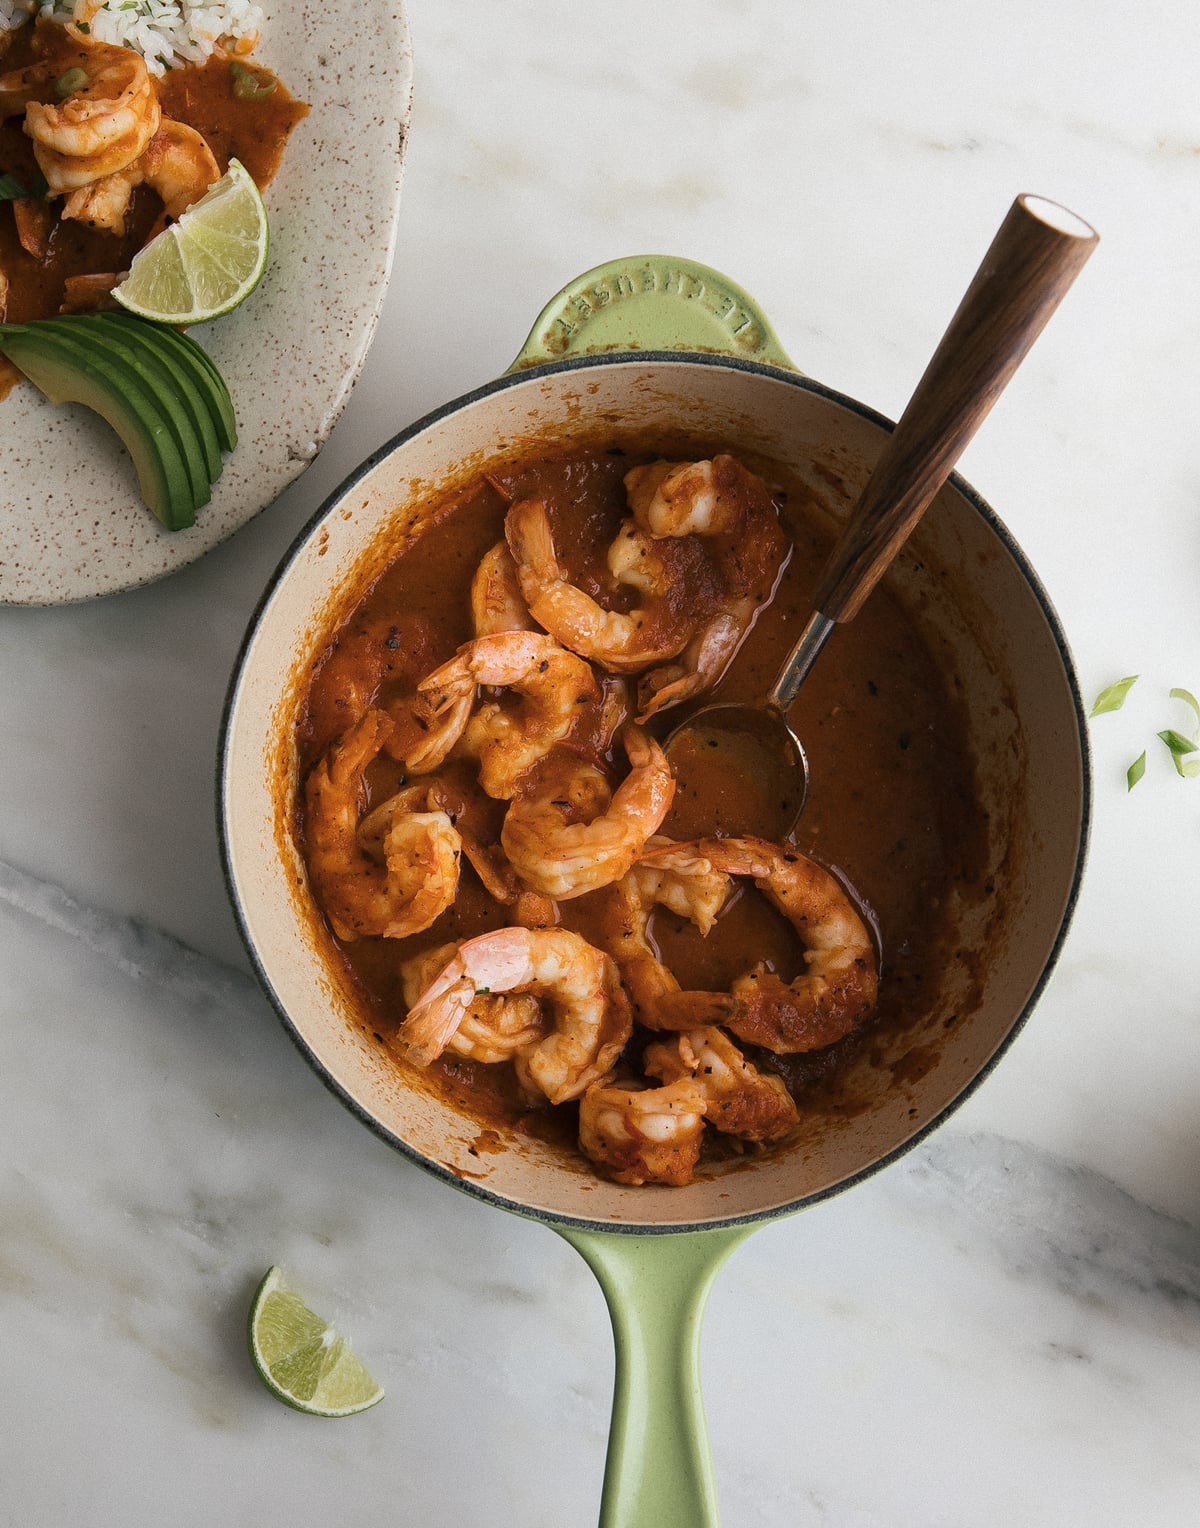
(208, 261)
(302, 1359)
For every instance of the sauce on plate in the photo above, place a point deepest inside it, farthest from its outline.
(202, 96)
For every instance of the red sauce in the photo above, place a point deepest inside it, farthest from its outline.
(892, 805)
(254, 131)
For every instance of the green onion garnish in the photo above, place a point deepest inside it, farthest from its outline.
(14, 190)
(1189, 700)
(1136, 770)
(1177, 743)
(1179, 747)
(68, 83)
(248, 86)
(1113, 697)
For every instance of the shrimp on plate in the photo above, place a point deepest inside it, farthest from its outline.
(839, 986)
(393, 873)
(495, 1025)
(640, 1134)
(553, 685)
(624, 642)
(177, 163)
(558, 849)
(90, 113)
(686, 884)
(588, 1017)
(722, 501)
(739, 1099)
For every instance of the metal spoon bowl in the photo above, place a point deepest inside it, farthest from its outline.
(1038, 251)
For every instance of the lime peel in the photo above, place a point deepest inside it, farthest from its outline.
(208, 261)
(301, 1359)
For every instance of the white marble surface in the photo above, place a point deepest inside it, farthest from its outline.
(1004, 1328)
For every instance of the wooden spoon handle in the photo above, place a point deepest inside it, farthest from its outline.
(1036, 255)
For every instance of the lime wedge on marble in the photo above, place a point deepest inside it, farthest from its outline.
(301, 1359)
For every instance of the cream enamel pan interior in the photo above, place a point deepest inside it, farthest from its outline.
(978, 601)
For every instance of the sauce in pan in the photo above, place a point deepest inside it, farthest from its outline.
(892, 810)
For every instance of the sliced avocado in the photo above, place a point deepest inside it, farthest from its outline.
(174, 380)
(204, 369)
(69, 370)
(158, 382)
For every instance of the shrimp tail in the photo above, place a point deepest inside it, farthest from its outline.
(432, 1023)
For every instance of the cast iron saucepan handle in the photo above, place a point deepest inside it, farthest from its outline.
(658, 1472)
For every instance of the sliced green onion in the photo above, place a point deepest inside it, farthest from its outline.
(68, 83)
(1136, 770)
(1177, 743)
(1179, 747)
(1189, 700)
(1113, 697)
(248, 86)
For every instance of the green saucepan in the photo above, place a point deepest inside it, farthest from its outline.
(631, 347)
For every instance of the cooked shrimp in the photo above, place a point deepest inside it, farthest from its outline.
(623, 643)
(404, 871)
(495, 1026)
(20, 86)
(680, 879)
(556, 852)
(501, 882)
(739, 1099)
(34, 217)
(637, 559)
(90, 292)
(643, 1135)
(690, 498)
(725, 502)
(497, 603)
(423, 740)
(702, 662)
(685, 883)
(554, 686)
(839, 986)
(588, 1012)
(98, 128)
(177, 164)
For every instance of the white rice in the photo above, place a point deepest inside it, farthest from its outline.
(164, 32)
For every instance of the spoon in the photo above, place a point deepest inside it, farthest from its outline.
(1038, 251)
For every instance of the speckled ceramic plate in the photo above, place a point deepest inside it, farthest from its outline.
(71, 523)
